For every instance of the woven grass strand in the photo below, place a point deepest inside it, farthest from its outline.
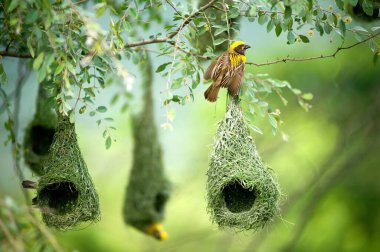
(39, 133)
(241, 192)
(66, 194)
(148, 189)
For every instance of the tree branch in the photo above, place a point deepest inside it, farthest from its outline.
(284, 60)
(15, 54)
(185, 22)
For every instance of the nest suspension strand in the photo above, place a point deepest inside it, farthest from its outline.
(39, 134)
(241, 192)
(65, 193)
(148, 189)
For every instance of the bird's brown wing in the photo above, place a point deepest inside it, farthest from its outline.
(208, 72)
(214, 70)
(237, 78)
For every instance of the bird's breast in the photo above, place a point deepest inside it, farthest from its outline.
(236, 60)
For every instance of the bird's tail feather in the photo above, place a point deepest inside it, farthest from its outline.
(211, 93)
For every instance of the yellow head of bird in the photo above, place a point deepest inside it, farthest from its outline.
(157, 231)
(236, 44)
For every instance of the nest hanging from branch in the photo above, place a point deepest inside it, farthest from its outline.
(39, 134)
(65, 193)
(148, 189)
(241, 192)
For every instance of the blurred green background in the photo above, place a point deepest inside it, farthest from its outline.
(328, 169)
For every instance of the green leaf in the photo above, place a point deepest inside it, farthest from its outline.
(233, 13)
(288, 12)
(342, 28)
(304, 38)
(115, 98)
(71, 68)
(372, 45)
(291, 37)
(59, 69)
(368, 7)
(290, 24)
(38, 61)
(252, 10)
(30, 47)
(328, 28)
(220, 30)
(296, 91)
(270, 25)
(108, 142)
(12, 5)
(177, 83)
(340, 4)
(100, 8)
(310, 4)
(41, 74)
(127, 26)
(162, 67)
(278, 30)
(353, 2)
(89, 91)
(101, 109)
(219, 41)
(255, 128)
(319, 28)
(307, 96)
(82, 109)
(272, 121)
(360, 29)
(72, 116)
(31, 17)
(263, 19)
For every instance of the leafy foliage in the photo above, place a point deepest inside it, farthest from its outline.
(77, 58)
(21, 231)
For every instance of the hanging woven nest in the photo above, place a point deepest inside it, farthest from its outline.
(241, 192)
(65, 193)
(39, 134)
(148, 189)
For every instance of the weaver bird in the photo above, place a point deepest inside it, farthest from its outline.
(227, 71)
(157, 231)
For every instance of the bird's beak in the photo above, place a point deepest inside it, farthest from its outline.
(246, 47)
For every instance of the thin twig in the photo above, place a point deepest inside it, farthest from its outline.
(188, 52)
(332, 55)
(174, 8)
(9, 237)
(46, 233)
(227, 22)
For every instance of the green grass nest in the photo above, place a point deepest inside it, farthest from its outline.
(39, 134)
(65, 193)
(241, 191)
(148, 189)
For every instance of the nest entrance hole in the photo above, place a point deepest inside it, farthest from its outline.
(60, 196)
(42, 137)
(237, 198)
(159, 202)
